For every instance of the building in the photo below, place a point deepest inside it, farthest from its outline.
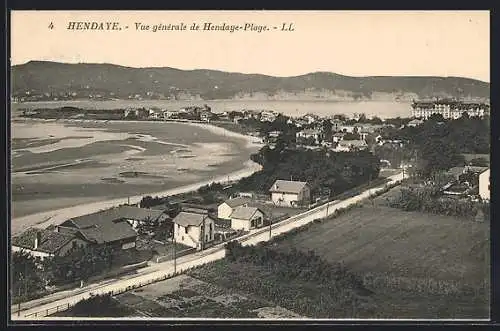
(415, 122)
(484, 185)
(351, 145)
(247, 218)
(113, 227)
(225, 209)
(449, 109)
(194, 229)
(43, 243)
(268, 116)
(290, 193)
(350, 128)
(310, 118)
(206, 115)
(317, 135)
(338, 136)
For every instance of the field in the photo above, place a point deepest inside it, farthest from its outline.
(415, 265)
(185, 296)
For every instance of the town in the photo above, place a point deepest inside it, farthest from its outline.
(308, 163)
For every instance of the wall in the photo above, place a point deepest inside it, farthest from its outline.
(238, 224)
(42, 255)
(191, 238)
(224, 211)
(64, 250)
(287, 199)
(484, 185)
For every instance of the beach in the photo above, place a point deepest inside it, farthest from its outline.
(59, 200)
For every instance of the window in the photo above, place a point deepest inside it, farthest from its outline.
(186, 230)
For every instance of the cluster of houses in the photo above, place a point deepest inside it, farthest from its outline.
(193, 226)
(342, 137)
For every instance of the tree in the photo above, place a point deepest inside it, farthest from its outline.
(327, 129)
(25, 274)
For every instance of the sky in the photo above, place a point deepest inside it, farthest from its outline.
(353, 43)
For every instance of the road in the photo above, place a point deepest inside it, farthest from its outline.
(47, 305)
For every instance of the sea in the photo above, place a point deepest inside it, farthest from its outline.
(381, 109)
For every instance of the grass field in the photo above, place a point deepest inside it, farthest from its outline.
(382, 239)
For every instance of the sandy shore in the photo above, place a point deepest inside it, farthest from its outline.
(46, 218)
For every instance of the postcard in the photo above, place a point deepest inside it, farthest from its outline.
(250, 165)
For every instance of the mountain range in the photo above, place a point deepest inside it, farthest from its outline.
(39, 80)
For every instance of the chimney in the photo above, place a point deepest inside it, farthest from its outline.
(38, 239)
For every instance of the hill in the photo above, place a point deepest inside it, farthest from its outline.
(42, 80)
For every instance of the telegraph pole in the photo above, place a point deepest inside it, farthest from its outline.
(270, 223)
(175, 254)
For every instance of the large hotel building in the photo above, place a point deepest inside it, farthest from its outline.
(450, 109)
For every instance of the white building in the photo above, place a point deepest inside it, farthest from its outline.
(290, 193)
(268, 116)
(414, 123)
(317, 135)
(194, 229)
(484, 185)
(225, 209)
(449, 109)
(351, 145)
(246, 218)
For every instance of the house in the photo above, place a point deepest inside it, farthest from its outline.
(246, 218)
(336, 124)
(267, 116)
(249, 114)
(113, 227)
(306, 134)
(225, 209)
(43, 243)
(351, 145)
(194, 229)
(290, 193)
(170, 114)
(350, 128)
(338, 136)
(484, 185)
(206, 115)
(415, 122)
(310, 118)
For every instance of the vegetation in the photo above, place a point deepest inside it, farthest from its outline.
(302, 282)
(325, 172)
(438, 144)
(98, 306)
(79, 264)
(428, 199)
(26, 276)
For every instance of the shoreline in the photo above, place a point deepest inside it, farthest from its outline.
(46, 218)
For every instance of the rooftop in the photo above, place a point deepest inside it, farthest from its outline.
(50, 242)
(186, 219)
(109, 232)
(233, 203)
(287, 186)
(113, 214)
(244, 213)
